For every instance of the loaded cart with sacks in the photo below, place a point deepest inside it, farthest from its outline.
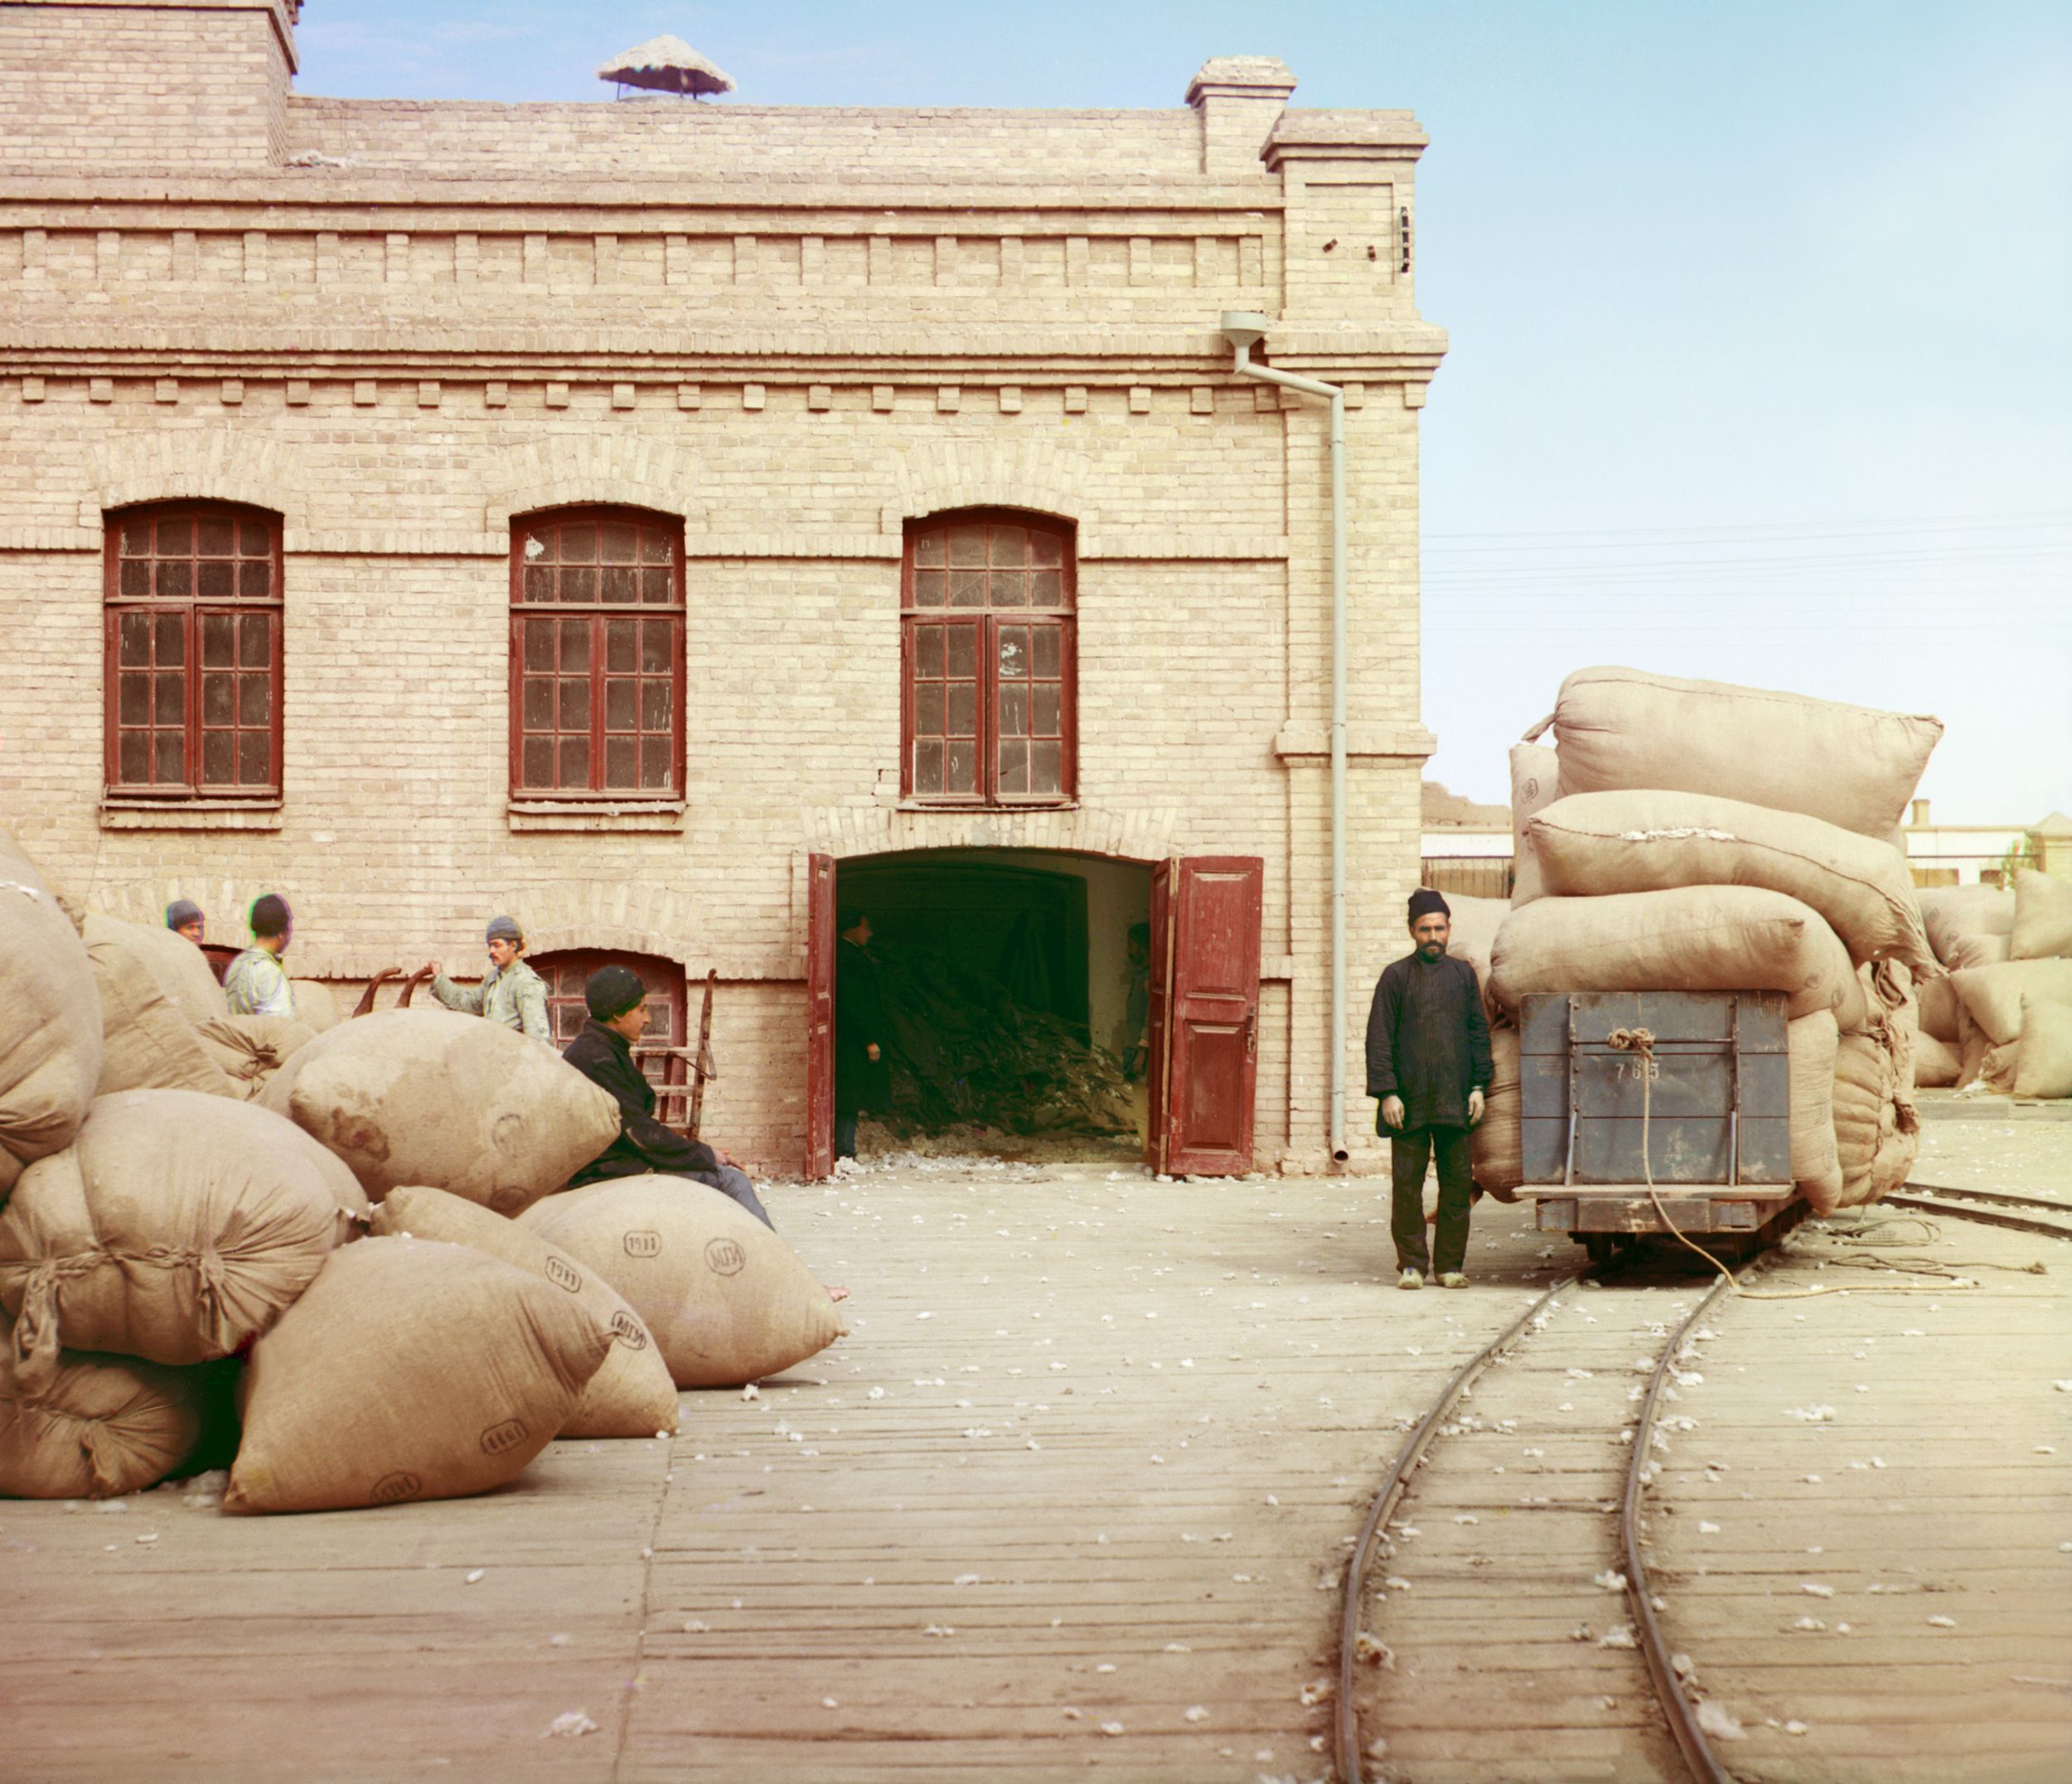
(1657, 1111)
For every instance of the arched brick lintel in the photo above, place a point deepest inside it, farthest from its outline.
(1145, 834)
(192, 465)
(939, 475)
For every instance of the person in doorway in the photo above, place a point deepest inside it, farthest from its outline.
(185, 917)
(1428, 1060)
(863, 1079)
(1136, 1010)
(256, 982)
(511, 993)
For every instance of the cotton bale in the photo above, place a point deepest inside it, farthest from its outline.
(2043, 918)
(1811, 1044)
(1475, 922)
(1935, 1062)
(149, 1040)
(1498, 1140)
(1535, 784)
(315, 1004)
(1939, 1009)
(248, 1050)
(1952, 913)
(49, 1019)
(93, 1427)
(1993, 996)
(2043, 1067)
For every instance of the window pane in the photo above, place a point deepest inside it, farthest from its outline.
(619, 538)
(928, 709)
(1050, 642)
(621, 755)
(539, 637)
(1013, 765)
(1047, 722)
(256, 539)
(575, 703)
(255, 640)
(175, 578)
(254, 700)
(927, 650)
(575, 762)
(927, 548)
(655, 775)
(621, 587)
(134, 579)
(578, 585)
(967, 545)
(133, 699)
(656, 546)
(967, 588)
(219, 758)
(655, 703)
(1014, 651)
(539, 545)
(620, 646)
(133, 758)
(536, 769)
(929, 586)
(575, 644)
(578, 542)
(539, 583)
(964, 652)
(219, 699)
(172, 640)
(169, 752)
(1009, 589)
(961, 767)
(218, 536)
(174, 537)
(134, 636)
(254, 758)
(1046, 768)
(214, 580)
(1010, 545)
(255, 579)
(136, 539)
(1046, 588)
(658, 588)
(1014, 712)
(538, 702)
(927, 766)
(659, 646)
(1046, 548)
(169, 700)
(620, 704)
(963, 717)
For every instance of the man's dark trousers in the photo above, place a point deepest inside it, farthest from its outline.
(1409, 1152)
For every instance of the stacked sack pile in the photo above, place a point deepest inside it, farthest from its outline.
(2003, 1019)
(370, 1256)
(1696, 836)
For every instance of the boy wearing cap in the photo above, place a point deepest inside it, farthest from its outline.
(1428, 1060)
(184, 917)
(511, 992)
(256, 982)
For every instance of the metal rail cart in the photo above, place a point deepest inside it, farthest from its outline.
(1695, 1083)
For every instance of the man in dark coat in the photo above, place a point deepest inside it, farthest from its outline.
(1428, 1060)
(863, 1079)
(602, 1051)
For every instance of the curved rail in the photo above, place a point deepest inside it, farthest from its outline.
(1940, 1198)
(1347, 1724)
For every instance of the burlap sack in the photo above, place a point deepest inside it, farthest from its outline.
(1993, 995)
(726, 1298)
(178, 967)
(2000, 1066)
(1935, 1062)
(176, 1227)
(1475, 923)
(1622, 728)
(2043, 1065)
(1592, 843)
(148, 1042)
(99, 1427)
(435, 1097)
(248, 1050)
(1696, 938)
(1500, 1154)
(49, 1019)
(1812, 1042)
(631, 1395)
(1535, 783)
(316, 1005)
(1950, 913)
(2043, 918)
(408, 1370)
(1939, 1009)
(1967, 951)
(1876, 1127)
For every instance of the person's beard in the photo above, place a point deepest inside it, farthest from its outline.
(1431, 950)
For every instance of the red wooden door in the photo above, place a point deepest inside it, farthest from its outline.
(819, 1017)
(1205, 916)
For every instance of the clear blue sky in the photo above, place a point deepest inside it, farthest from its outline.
(1761, 313)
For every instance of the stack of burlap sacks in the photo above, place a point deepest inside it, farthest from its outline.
(1696, 836)
(159, 1229)
(2002, 1020)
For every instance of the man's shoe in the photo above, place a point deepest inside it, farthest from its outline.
(1410, 1278)
(1454, 1279)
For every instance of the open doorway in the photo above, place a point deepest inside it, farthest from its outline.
(1014, 987)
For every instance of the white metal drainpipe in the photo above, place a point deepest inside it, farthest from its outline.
(1242, 328)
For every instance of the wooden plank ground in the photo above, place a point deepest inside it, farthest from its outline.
(1106, 1438)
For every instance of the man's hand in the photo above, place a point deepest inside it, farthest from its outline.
(870, 1051)
(1476, 1107)
(1392, 1111)
(434, 968)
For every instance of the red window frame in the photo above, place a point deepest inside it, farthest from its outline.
(192, 617)
(580, 707)
(964, 628)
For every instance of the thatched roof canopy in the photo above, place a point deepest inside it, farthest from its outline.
(666, 65)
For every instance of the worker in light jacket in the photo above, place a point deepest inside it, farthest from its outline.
(1428, 1060)
(510, 994)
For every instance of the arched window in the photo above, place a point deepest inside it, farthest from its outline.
(193, 653)
(597, 655)
(989, 665)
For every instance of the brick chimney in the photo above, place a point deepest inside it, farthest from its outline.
(1240, 98)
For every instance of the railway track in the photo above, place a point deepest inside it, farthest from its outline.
(1611, 1700)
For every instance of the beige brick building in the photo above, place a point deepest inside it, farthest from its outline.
(371, 354)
